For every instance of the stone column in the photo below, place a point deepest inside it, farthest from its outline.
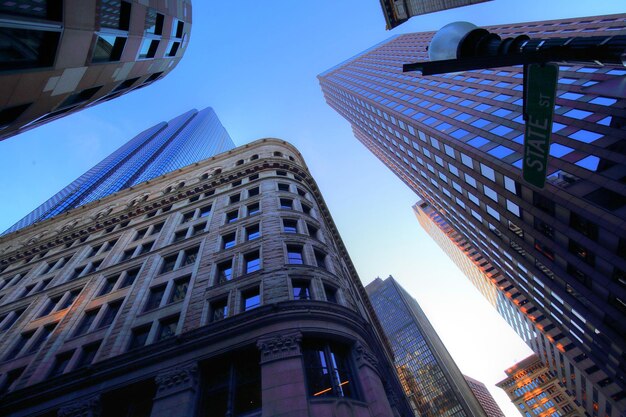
(370, 377)
(89, 407)
(282, 375)
(176, 391)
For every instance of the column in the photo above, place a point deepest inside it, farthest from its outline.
(176, 391)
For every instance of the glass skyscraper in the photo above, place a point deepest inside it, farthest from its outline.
(456, 140)
(165, 147)
(431, 380)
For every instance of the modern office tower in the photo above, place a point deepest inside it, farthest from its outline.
(59, 56)
(399, 11)
(431, 380)
(455, 139)
(222, 288)
(484, 397)
(536, 391)
(163, 148)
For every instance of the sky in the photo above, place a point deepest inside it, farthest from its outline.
(255, 62)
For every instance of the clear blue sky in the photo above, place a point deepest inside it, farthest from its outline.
(256, 63)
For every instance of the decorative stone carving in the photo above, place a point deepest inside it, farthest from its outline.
(280, 346)
(177, 379)
(365, 357)
(89, 407)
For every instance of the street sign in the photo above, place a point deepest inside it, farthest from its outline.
(541, 82)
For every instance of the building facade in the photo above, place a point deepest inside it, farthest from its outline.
(456, 140)
(399, 11)
(484, 397)
(431, 380)
(229, 293)
(163, 148)
(59, 56)
(535, 390)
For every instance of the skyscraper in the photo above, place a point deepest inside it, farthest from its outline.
(59, 56)
(455, 139)
(535, 390)
(220, 289)
(399, 11)
(165, 147)
(484, 397)
(431, 380)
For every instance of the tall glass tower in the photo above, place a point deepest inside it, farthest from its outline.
(456, 140)
(165, 147)
(431, 380)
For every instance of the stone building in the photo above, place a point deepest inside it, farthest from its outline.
(222, 288)
(59, 56)
(484, 397)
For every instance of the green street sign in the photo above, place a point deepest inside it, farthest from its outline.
(540, 96)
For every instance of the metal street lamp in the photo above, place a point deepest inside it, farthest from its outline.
(461, 46)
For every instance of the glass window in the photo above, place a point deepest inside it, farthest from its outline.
(294, 254)
(557, 150)
(148, 48)
(286, 203)
(251, 299)
(478, 141)
(109, 314)
(167, 327)
(169, 263)
(500, 151)
(283, 187)
(234, 198)
(139, 337)
(253, 208)
(154, 22)
(224, 271)
(85, 324)
(205, 211)
(87, 355)
(327, 369)
(301, 290)
(229, 240)
(290, 226)
(470, 180)
(26, 48)
(490, 193)
(320, 258)
(108, 48)
(467, 161)
(129, 278)
(232, 216)
(219, 309)
(252, 261)
(591, 163)
(180, 290)
(513, 208)
(253, 232)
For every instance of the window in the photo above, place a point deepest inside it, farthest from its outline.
(253, 232)
(294, 254)
(234, 198)
(327, 370)
(69, 300)
(205, 211)
(306, 209)
(229, 240)
(155, 297)
(290, 226)
(301, 192)
(253, 208)
(127, 254)
(250, 299)
(168, 264)
(286, 203)
(187, 217)
(139, 337)
(582, 252)
(180, 235)
(60, 363)
(148, 48)
(313, 231)
(154, 22)
(86, 322)
(283, 187)
(129, 278)
(189, 257)
(49, 307)
(87, 355)
(167, 327)
(232, 216)
(224, 271)
(197, 229)
(301, 290)
(180, 290)
(108, 48)
(11, 376)
(110, 314)
(331, 293)
(253, 192)
(232, 385)
(583, 225)
(41, 338)
(320, 258)
(219, 309)
(543, 203)
(27, 48)
(252, 261)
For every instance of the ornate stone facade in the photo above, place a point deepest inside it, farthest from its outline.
(225, 276)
